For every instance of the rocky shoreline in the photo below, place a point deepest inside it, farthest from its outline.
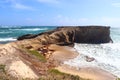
(33, 56)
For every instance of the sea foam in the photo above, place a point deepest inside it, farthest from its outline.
(30, 29)
(107, 57)
(8, 39)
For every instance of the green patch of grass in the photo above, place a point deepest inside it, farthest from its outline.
(2, 68)
(55, 71)
(57, 75)
(37, 54)
(34, 53)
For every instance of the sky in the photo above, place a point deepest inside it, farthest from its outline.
(60, 12)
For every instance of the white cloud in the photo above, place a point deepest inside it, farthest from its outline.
(116, 4)
(49, 1)
(83, 19)
(112, 21)
(105, 21)
(15, 4)
(9, 1)
(66, 20)
(21, 6)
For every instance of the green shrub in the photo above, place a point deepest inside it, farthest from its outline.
(55, 71)
(2, 68)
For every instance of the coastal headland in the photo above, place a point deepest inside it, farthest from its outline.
(41, 56)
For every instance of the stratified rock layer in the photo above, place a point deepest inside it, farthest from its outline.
(71, 34)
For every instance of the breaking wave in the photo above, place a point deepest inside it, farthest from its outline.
(31, 29)
(107, 57)
(7, 39)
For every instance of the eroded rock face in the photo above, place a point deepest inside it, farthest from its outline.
(27, 36)
(79, 34)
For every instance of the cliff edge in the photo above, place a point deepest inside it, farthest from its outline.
(72, 34)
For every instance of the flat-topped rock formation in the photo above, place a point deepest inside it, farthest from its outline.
(71, 34)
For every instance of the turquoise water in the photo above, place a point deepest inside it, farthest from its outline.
(115, 35)
(10, 33)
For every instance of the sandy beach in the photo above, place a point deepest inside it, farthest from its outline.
(91, 73)
(65, 53)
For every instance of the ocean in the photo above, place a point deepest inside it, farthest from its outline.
(107, 56)
(11, 33)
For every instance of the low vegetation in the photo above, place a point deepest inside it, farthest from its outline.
(54, 74)
(4, 75)
(118, 79)
(55, 71)
(2, 68)
(37, 55)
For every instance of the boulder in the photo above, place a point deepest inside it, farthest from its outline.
(89, 59)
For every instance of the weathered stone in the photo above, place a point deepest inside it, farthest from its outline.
(89, 59)
(68, 35)
(27, 36)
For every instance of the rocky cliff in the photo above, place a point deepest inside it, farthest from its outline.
(71, 34)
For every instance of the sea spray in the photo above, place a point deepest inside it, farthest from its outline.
(107, 57)
(8, 39)
(29, 29)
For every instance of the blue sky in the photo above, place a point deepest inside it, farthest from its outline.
(60, 12)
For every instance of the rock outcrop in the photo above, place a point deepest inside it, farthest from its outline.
(27, 36)
(68, 35)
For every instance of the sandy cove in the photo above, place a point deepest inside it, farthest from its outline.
(65, 53)
(60, 54)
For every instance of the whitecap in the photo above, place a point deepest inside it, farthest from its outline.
(7, 39)
(107, 57)
(31, 29)
(4, 32)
